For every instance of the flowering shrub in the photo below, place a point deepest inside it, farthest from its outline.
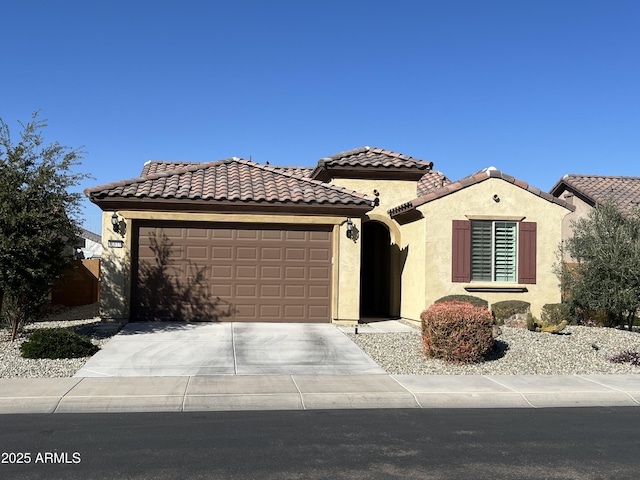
(627, 356)
(457, 332)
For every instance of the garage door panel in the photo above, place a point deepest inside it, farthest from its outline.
(319, 255)
(318, 291)
(247, 272)
(320, 236)
(294, 291)
(271, 254)
(220, 234)
(270, 273)
(246, 291)
(295, 273)
(319, 273)
(247, 235)
(222, 253)
(293, 312)
(271, 235)
(247, 253)
(295, 254)
(196, 252)
(271, 291)
(221, 273)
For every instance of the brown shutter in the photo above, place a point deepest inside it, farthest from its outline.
(527, 252)
(461, 251)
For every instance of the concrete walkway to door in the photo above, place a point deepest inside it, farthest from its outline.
(192, 349)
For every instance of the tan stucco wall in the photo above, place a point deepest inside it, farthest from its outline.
(430, 244)
(582, 211)
(116, 264)
(391, 193)
(115, 272)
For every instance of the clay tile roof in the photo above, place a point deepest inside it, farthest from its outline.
(299, 172)
(156, 166)
(431, 181)
(625, 191)
(374, 157)
(481, 176)
(234, 180)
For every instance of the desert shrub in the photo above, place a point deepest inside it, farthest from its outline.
(504, 309)
(596, 318)
(555, 313)
(475, 301)
(531, 322)
(626, 356)
(457, 332)
(57, 343)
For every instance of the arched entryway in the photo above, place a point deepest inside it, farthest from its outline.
(378, 284)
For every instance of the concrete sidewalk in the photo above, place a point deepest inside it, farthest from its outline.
(307, 392)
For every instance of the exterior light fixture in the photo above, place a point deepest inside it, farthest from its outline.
(115, 222)
(349, 228)
(496, 198)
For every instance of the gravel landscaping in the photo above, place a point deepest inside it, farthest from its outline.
(81, 320)
(578, 350)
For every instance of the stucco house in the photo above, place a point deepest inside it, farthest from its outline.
(584, 192)
(365, 233)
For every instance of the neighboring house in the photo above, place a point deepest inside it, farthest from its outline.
(584, 192)
(88, 245)
(367, 232)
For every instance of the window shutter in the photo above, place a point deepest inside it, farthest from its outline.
(527, 252)
(461, 251)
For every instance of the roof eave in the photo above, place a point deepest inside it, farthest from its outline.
(226, 206)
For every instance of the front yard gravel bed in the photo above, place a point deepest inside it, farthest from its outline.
(518, 352)
(81, 320)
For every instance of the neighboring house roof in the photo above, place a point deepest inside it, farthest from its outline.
(94, 237)
(465, 182)
(596, 189)
(369, 162)
(232, 181)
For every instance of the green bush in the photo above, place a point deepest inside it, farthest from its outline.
(457, 332)
(506, 308)
(475, 301)
(57, 343)
(555, 313)
(597, 318)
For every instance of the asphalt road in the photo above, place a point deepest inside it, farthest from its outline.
(571, 443)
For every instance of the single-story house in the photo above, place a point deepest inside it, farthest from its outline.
(365, 233)
(584, 192)
(88, 245)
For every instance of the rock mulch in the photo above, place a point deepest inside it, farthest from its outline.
(82, 320)
(577, 351)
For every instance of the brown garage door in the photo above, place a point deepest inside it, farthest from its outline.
(230, 272)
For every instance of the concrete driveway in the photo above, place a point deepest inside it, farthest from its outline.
(188, 349)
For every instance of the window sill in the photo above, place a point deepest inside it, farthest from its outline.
(496, 287)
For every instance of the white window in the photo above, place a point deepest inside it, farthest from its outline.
(494, 251)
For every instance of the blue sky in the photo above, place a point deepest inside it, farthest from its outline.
(537, 89)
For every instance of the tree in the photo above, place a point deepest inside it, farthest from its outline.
(38, 217)
(606, 246)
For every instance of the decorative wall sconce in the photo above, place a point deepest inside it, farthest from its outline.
(118, 225)
(496, 198)
(352, 230)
